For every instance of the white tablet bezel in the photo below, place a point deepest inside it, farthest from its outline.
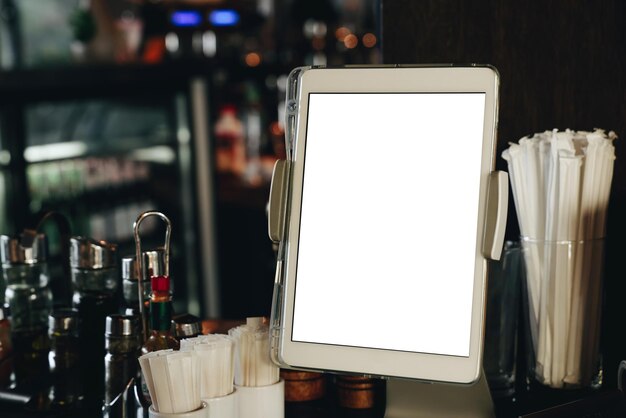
(430, 367)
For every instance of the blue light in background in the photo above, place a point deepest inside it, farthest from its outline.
(224, 17)
(186, 18)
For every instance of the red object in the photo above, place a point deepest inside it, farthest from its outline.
(160, 283)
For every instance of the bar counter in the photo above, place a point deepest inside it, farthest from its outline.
(532, 403)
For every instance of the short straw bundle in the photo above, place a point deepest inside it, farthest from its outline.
(253, 366)
(561, 183)
(173, 380)
(215, 362)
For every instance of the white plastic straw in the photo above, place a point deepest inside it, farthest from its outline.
(253, 366)
(144, 363)
(561, 185)
(173, 380)
(215, 362)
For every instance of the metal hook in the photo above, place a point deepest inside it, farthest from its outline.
(139, 262)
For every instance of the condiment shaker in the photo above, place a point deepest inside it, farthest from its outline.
(25, 272)
(130, 286)
(95, 280)
(64, 358)
(122, 342)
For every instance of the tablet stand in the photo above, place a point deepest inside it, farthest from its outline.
(412, 398)
(415, 399)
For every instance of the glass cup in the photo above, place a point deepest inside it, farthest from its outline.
(562, 310)
(503, 296)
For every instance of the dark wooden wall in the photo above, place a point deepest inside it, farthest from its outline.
(562, 65)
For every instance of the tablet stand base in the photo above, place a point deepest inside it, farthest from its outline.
(409, 398)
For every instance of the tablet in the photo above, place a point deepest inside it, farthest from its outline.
(382, 220)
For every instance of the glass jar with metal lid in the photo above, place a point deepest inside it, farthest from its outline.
(25, 272)
(120, 363)
(153, 262)
(64, 357)
(95, 280)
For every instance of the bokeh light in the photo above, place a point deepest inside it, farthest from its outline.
(351, 41)
(253, 59)
(369, 40)
(341, 33)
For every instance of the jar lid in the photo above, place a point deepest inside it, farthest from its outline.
(153, 263)
(118, 325)
(129, 268)
(63, 320)
(27, 248)
(86, 253)
(186, 325)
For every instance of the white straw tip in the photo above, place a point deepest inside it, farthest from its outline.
(254, 322)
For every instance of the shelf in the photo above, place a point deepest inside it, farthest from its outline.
(109, 79)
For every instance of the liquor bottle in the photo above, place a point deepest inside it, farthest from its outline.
(230, 149)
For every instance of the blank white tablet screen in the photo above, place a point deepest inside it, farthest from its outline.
(388, 227)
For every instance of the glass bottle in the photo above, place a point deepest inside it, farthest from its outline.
(160, 337)
(25, 272)
(95, 280)
(120, 363)
(64, 358)
(230, 150)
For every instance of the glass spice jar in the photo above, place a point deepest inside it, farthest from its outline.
(95, 280)
(64, 358)
(25, 272)
(122, 343)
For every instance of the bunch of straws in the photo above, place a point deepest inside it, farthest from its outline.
(179, 381)
(561, 184)
(215, 363)
(173, 380)
(253, 366)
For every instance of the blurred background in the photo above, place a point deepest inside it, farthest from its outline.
(109, 108)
